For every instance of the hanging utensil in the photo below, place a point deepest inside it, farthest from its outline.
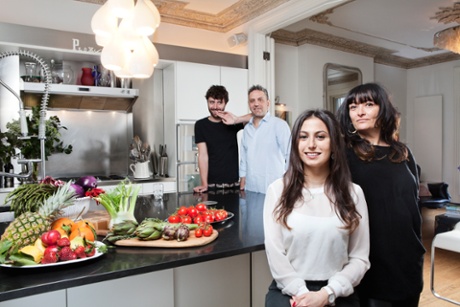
(138, 142)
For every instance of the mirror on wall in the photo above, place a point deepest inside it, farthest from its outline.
(338, 80)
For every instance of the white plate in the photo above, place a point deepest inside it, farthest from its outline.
(96, 255)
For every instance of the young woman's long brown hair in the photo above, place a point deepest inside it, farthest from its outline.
(338, 183)
(387, 120)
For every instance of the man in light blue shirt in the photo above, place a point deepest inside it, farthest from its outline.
(265, 145)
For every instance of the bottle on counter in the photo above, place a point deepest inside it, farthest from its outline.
(9, 181)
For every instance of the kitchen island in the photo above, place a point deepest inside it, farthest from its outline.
(190, 276)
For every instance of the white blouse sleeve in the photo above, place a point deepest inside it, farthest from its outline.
(282, 271)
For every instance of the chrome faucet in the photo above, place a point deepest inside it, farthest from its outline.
(22, 117)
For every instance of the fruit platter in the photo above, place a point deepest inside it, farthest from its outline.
(39, 235)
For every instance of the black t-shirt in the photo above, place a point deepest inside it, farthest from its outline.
(222, 146)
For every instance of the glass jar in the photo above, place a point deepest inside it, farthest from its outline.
(31, 72)
(61, 73)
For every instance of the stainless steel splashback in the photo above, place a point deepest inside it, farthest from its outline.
(100, 143)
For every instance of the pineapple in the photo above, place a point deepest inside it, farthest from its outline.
(28, 227)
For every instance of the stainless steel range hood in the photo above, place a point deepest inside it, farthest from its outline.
(80, 97)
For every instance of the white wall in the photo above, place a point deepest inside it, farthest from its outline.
(395, 81)
(299, 73)
(437, 80)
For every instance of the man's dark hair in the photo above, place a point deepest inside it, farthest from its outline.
(258, 88)
(217, 92)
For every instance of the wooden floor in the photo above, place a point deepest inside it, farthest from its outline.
(447, 265)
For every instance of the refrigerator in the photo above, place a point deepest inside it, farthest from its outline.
(187, 172)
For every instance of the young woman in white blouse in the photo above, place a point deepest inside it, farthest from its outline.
(315, 221)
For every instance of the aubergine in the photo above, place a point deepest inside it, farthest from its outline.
(87, 182)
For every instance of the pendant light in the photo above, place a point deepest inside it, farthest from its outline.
(104, 22)
(122, 28)
(114, 54)
(143, 22)
(121, 8)
(140, 64)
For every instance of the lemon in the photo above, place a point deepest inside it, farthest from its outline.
(33, 251)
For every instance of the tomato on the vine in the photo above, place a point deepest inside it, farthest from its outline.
(201, 207)
(174, 218)
(198, 232)
(208, 218)
(198, 219)
(220, 215)
(207, 231)
(186, 219)
(182, 210)
(192, 211)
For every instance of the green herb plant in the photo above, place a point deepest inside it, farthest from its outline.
(30, 148)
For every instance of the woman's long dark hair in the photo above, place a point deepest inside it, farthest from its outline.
(387, 120)
(338, 183)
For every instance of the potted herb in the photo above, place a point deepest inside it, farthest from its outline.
(30, 148)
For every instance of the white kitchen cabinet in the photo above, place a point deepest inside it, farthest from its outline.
(151, 289)
(223, 282)
(235, 81)
(192, 82)
(49, 299)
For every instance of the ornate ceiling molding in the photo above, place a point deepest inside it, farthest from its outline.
(243, 11)
(380, 55)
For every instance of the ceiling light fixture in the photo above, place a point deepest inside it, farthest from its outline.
(122, 28)
(448, 39)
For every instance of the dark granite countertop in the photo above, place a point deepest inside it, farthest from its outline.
(239, 235)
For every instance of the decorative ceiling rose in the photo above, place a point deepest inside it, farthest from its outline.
(448, 39)
(447, 15)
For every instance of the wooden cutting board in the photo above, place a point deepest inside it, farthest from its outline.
(190, 242)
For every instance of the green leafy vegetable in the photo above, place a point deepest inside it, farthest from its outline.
(120, 202)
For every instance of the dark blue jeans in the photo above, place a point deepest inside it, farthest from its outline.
(275, 298)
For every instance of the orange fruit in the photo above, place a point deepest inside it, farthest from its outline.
(63, 225)
(82, 224)
(84, 232)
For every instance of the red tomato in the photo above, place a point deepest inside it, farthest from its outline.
(198, 232)
(201, 207)
(174, 218)
(186, 219)
(182, 211)
(207, 231)
(220, 215)
(198, 219)
(192, 212)
(208, 218)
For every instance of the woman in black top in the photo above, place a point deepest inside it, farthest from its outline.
(386, 171)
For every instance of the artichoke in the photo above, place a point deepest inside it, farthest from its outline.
(182, 233)
(169, 232)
